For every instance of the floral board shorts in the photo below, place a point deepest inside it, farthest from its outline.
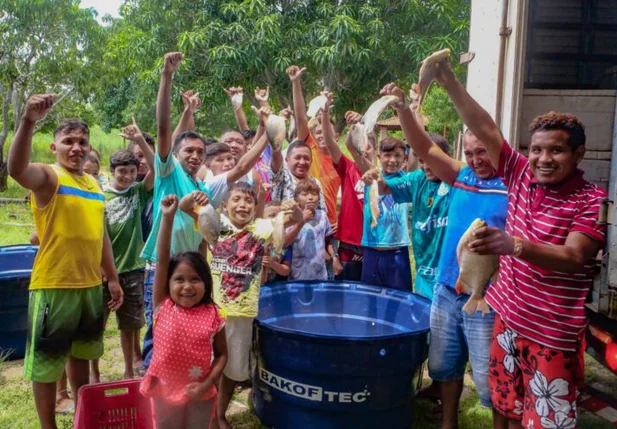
(532, 382)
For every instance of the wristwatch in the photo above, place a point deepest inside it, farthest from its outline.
(518, 247)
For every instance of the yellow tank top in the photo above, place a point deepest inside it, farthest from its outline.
(70, 229)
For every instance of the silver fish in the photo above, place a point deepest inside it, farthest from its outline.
(278, 235)
(428, 71)
(375, 110)
(209, 222)
(236, 100)
(275, 131)
(373, 196)
(359, 139)
(475, 271)
(291, 132)
(315, 105)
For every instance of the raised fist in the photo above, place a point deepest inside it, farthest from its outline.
(38, 106)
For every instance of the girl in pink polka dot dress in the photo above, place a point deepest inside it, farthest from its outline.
(190, 350)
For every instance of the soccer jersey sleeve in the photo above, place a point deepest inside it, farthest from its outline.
(404, 188)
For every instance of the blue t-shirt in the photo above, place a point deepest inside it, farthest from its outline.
(172, 179)
(429, 220)
(470, 198)
(391, 229)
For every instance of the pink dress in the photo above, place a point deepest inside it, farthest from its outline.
(183, 352)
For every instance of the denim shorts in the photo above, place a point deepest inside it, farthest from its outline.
(456, 338)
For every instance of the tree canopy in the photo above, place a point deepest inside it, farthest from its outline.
(108, 73)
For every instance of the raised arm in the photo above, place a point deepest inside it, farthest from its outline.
(362, 162)
(328, 131)
(171, 62)
(474, 116)
(302, 128)
(134, 134)
(169, 206)
(445, 168)
(248, 161)
(236, 95)
(191, 103)
(39, 178)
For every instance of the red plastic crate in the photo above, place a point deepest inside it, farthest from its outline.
(117, 405)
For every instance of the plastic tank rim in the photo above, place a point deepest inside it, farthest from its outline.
(268, 289)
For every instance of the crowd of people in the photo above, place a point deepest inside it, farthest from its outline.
(131, 244)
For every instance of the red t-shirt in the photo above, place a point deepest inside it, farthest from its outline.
(545, 306)
(352, 202)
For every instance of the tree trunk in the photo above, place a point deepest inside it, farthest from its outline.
(16, 107)
(6, 100)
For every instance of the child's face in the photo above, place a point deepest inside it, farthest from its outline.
(143, 164)
(392, 161)
(221, 163)
(240, 208)
(271, 212)
(307, 200)
(92, 168)
(186, 288)
(124, 176)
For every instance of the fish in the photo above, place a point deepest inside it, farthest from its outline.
(375, 110)
(278, 234)
(291, 132)
(373, 196)
(315, 105)
(475, 271)
(209, 222)
(236, 99)
(428, 71)
(360, 132)
(359, 139)
(275, 131)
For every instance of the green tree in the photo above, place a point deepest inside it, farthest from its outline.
(46, 45)
(352, 48)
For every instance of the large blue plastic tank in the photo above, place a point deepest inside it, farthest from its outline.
(337, 355)
(15, 269)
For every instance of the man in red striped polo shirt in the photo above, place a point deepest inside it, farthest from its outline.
(546, 268)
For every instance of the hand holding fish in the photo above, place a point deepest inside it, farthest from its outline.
(392, 89)
(236, 93)
(370, 176)
(492, 241)
(265, 261)
(200, 198)
(286, 113)
(414, 96)
(262, 113)
(444, 74)
(352, 117)
(169, 206)
(295, 72)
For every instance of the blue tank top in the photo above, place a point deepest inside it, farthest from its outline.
(470, 198)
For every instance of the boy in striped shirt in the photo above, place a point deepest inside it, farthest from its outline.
(546, 268)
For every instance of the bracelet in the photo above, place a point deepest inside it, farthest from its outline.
(518, 247)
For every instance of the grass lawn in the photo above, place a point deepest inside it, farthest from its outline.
(16, 401)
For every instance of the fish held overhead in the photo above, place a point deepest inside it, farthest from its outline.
(428, 71)
(475, 271)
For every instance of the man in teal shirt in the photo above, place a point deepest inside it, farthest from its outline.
(429, 199)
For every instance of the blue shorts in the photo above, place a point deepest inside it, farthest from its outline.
(456, 338)
(388, 268)
(146, 352)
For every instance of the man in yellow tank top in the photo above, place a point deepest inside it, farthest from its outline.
(65, 310)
